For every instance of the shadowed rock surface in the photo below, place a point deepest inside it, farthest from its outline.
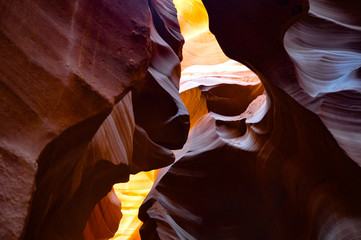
(275, 171)
(65, 69)
(90, 94)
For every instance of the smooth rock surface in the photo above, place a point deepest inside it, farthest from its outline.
(64, 66)
(276, 171)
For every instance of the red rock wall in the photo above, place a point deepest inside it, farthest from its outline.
(65, 69)
(89, 95)
(287, 169)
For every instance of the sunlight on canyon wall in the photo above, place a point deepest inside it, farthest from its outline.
(115, 126)
(131, 195)
(201, 47)
(275, 170)
(204, 64)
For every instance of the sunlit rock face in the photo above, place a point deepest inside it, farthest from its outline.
(132, 194)
(74, 77)
(228, 88)
(89, 95)
(286, 167)
(201, 47)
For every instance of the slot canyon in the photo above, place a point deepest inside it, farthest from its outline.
(180, 119)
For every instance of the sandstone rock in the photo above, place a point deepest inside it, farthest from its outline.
(90, 95)
(329, 71)
(238, 177)
(275, 171)
(201, 47)
(105, 217)
(64, 66)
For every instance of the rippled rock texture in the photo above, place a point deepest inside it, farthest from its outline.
(90, 94)
(288, 166)
(85, 87)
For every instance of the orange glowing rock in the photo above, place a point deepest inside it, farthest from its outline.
(274, 171)
(132, 194)
(201, 47)
(90, 94)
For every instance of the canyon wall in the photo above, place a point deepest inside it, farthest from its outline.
(85, 86)
(288, 166)
(90, 95)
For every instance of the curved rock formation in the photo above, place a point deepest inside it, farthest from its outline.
(201, 47)
(89, 95)
(275, 171)
(104, 219)
(329, 71)
(71, 126)
(132, 194)
(214, 81)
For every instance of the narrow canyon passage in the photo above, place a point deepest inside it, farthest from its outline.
(180, 119)
(209, 81)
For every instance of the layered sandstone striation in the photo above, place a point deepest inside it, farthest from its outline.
(287, 167)
(74, 77)
(325, 47)
(90, 95)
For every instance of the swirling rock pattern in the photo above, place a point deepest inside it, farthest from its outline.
(277, 170)
(329, 71)
(213, 82)
(104, 219)
(73, 78)
(90, 95)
